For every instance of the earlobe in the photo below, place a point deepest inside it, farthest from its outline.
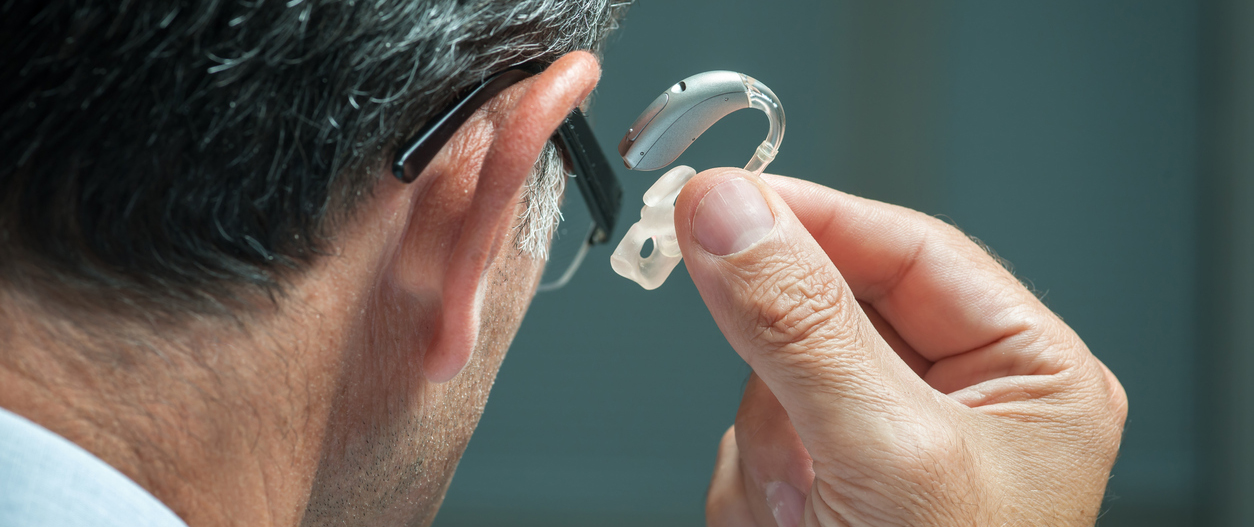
(516, 143)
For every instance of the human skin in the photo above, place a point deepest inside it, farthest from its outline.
(350, 399)
(902, 376)
(918, 385)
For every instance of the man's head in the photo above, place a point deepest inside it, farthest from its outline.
(206, 270)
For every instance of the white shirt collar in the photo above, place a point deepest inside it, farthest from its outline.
(46, 481)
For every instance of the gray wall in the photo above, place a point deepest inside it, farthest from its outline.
(1065, 134)
(1226, 334)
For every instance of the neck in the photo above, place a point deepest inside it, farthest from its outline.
(221, 420)
(181, 417)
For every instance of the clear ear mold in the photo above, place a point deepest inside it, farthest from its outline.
(658, 136)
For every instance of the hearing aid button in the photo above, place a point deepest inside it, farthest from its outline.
(641, 123)
(647, 116)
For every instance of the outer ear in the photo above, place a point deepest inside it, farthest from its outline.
(516, 145)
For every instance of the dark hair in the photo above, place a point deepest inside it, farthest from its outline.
(164, 153)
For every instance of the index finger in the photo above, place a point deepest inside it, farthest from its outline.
(942, 293)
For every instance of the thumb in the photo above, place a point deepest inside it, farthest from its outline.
(786, 310)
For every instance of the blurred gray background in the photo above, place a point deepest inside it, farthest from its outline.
(1104, 148)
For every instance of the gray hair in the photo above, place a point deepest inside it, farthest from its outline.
(173, 153)
(543, 197)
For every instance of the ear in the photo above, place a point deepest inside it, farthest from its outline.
(515, 145)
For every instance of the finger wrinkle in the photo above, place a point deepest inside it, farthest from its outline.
(801, 312)
(1051, 350)
(760, 276)
(793, 303)
(875, 292)
(1032, 352)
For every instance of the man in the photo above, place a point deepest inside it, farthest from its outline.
(211, 282)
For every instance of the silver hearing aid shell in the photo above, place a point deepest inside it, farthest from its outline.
(679, 116)
(675, 119)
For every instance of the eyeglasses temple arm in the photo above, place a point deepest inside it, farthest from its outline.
(596, 180)
(422, 148)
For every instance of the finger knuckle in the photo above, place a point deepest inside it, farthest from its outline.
(1116, 408)
(1119, 406)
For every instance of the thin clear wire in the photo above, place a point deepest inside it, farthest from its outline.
(574, 264)
(762, 98)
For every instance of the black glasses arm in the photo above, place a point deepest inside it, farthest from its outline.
(433, 135)
(593, 174)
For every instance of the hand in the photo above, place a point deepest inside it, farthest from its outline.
(901, 375)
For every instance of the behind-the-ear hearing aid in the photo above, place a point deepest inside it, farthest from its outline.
(675, 120)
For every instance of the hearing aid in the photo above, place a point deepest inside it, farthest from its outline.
(666, 128)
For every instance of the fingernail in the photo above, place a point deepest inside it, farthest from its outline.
(731, 217)
(786, 503)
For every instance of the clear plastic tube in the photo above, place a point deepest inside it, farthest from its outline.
(762, 98)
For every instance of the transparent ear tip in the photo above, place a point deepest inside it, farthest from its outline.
(657, 223)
